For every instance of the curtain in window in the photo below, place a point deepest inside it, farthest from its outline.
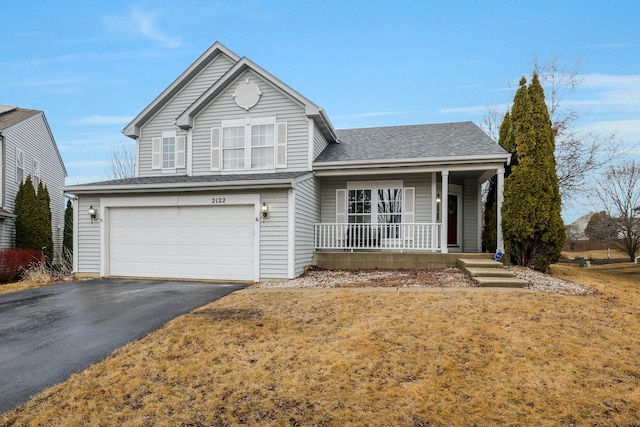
(390, 212)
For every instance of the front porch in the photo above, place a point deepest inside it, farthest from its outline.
(398, 237)
(339, 260)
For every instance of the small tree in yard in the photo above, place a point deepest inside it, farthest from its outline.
(620, 194)
(601, 228)
(26, 211)
(44, 221)
(532, 226)
(33, 218)
(67, 240)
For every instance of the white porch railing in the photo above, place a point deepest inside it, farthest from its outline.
(400, 237)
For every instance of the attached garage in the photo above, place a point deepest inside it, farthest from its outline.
(183, 242)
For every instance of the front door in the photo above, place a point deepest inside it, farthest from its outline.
(452, 220)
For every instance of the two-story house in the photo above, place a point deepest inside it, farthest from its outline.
(240, 177)
(28, 148)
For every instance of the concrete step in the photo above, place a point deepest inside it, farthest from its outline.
(500, 282)
(479, 263)
(487, 272)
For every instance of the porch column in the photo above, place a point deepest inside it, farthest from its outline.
(499, 199)
(444, 209)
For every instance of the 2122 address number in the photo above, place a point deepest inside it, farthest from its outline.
(218, 200)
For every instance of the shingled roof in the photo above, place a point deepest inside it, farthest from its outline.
(443, 140)
(9, 116)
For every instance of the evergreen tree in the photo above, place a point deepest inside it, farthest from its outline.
(44, 221)
(67, 240)
(532, 226)
(26, 211)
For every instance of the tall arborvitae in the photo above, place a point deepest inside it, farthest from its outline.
(67, 240)
(26, 211)
(532, 226)
(44, 221)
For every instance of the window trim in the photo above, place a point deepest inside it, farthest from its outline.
(36, 173)
(375, 186)
(248, 124)
(166, 134)
(20, 155)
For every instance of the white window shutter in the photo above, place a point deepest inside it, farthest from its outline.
(215, 149)
(409, 216)
(181, 145)
(341, 206)
(281, 145)
(156, 154)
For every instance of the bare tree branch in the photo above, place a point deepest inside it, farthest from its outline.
(578, 154)
(619, 193)
(122, 162)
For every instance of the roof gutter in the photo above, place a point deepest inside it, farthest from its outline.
(169, 187)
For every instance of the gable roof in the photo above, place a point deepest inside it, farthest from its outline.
(436, 143)
(10, 116)
(132, 130)
(185, 120)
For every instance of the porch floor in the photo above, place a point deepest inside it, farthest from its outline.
(340, 260)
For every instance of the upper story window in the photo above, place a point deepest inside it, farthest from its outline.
(168, 151)
(36, 173)
(249, 144)
(19, 166)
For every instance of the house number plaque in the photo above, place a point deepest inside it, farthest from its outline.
(218, 200)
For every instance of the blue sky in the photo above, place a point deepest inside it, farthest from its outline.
(91, 66)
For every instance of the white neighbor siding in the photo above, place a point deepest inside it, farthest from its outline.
(32, 136)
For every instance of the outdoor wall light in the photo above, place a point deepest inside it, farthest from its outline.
(438, 198)
(93, 214)
(265, 210)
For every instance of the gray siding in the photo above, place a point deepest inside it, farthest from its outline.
(319, 142)
(470, 216)
(307, 209)
(88, 235)
(33, 137)
(421, 182)
(274, 236)
(165, 117)
(273, 102)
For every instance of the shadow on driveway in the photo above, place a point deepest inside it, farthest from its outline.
(47, 334)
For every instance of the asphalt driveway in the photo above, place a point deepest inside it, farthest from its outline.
(47, 334)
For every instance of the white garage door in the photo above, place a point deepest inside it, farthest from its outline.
(191, 242)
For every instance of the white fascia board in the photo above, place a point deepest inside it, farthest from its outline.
(407, 169)
(132, 130)
(429, 161)
(193, 186)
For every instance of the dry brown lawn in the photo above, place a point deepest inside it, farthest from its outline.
(351, 357)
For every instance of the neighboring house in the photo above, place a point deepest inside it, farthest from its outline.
(28, 148)
(240, 177)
